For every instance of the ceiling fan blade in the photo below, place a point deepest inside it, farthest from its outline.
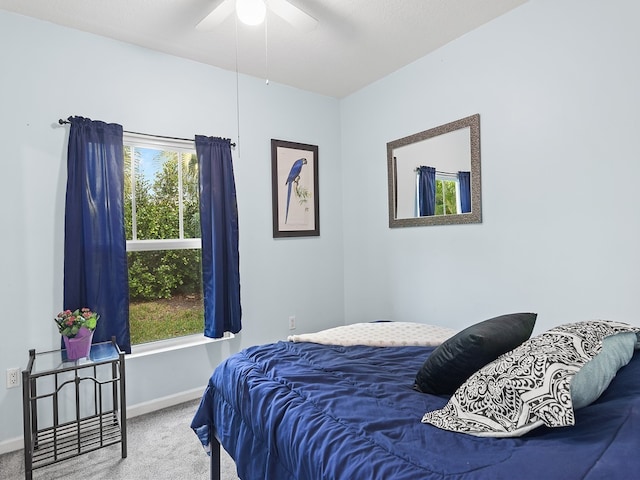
(292, 14)
(217, 15)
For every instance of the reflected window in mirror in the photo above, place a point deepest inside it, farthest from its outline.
(448, 200)
(434, 175)
(441, 193)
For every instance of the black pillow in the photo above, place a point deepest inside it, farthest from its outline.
(462, 355)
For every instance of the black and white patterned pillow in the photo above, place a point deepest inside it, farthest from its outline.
(528, 386)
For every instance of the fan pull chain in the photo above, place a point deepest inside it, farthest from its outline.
(266, 50)
(237, 87)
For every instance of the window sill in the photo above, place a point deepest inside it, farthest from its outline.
(161, 346)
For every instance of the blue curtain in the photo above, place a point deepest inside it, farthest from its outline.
(219, 224)
(95, 258)
(427, 191)
(464, 179)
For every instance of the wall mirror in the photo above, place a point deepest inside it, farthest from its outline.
(434, 176)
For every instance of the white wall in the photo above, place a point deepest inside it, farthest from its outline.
(556, 84)
(50, 72)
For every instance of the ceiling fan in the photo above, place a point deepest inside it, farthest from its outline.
(282, 8)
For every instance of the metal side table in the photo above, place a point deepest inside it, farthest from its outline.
(72, 407)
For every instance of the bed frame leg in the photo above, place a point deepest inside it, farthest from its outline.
(215, 460)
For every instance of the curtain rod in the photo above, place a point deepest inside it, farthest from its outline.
(437, 171)
(62, 122)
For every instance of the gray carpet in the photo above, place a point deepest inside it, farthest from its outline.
(161, 445)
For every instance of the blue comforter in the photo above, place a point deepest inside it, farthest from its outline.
(308, 412)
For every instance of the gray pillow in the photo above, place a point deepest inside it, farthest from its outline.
(596, 375)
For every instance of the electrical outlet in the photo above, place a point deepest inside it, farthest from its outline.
(292, 322)
(13, 377)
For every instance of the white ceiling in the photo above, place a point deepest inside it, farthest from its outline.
(355, 42)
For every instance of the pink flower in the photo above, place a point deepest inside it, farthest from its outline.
(72, 320)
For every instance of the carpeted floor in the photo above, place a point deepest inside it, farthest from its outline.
(161, 446)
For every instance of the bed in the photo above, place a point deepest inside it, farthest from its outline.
(305, 410)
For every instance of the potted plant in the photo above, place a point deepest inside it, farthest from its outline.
(76, 328)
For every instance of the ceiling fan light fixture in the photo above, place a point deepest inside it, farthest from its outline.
(251, 12)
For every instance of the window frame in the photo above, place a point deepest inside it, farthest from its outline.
(182, 146)
(159, 143)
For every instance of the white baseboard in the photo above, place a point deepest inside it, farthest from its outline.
(11, 445)
(17, 443)
(164, 402)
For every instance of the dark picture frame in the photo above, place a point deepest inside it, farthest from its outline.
(295, 191)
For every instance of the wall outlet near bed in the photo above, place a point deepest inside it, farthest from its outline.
(292, 322)
(13, 377)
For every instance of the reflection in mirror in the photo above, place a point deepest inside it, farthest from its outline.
(434, 176)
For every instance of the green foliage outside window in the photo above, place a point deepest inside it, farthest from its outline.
(163, 273)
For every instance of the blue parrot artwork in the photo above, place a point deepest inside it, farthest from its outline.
(294, 176)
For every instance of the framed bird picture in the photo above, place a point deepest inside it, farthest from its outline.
(294, 186)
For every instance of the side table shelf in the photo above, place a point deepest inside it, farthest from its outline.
(73, 407)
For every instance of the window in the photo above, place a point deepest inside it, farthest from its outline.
(162, 225)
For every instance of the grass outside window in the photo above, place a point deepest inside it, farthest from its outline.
(160, 319)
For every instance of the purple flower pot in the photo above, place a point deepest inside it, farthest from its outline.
(80, 345)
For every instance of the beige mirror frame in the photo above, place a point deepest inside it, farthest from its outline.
(475, 216)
